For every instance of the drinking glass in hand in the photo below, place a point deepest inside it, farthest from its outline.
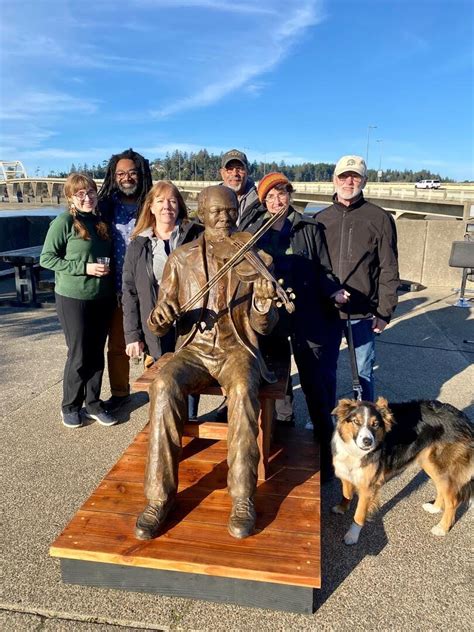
(104, 261)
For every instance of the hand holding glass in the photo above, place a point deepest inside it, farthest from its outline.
(104, 261)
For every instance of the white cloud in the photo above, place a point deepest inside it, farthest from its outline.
(215, 5)
(46, 104)
(275, 44)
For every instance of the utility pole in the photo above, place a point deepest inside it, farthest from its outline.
(369, 127)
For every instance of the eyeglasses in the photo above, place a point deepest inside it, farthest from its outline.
(240, 169)
(133, 173)
(281, 195)
(345, 176)
(81, 195)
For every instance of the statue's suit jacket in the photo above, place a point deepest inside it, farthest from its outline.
(184, 275)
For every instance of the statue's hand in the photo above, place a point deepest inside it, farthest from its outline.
(263, 291)
(166, 312)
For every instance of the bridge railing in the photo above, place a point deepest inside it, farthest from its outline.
(381, 190)
(405, 191)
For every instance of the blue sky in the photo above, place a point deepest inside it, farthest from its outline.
(291, 80)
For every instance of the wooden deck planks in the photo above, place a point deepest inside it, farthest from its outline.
(284, 550)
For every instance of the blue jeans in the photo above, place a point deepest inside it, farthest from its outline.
(364, 344)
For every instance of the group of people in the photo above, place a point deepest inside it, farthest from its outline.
(120, 273)
(108, 251)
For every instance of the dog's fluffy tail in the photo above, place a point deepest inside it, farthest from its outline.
(466, 493)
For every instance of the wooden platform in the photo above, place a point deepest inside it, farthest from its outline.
(278, 567)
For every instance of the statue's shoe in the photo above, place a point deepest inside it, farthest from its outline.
(150, 521)
(242, 518)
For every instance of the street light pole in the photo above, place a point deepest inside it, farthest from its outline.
(379, 173)
(369, 127)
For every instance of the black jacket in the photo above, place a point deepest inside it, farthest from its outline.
(362, 244)
(140, 291)
(308, 270)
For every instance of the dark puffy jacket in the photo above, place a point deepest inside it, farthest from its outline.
(308, 270)
(140, 291)
(362, 244)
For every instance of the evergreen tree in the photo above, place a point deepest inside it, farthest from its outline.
(203, 166)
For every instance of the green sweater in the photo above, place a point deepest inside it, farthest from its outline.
(68, 254)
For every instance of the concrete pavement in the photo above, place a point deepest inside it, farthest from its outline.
(399, 577)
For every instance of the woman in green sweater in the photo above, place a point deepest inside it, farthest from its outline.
(75, 247)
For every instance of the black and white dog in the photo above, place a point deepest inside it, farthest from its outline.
(374, 442)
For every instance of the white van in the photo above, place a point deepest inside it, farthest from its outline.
(428, 184)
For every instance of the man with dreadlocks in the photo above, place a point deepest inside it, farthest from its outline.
(126, 183)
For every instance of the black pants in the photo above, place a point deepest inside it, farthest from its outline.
(276, 348)
(85, 325)
(308, 358)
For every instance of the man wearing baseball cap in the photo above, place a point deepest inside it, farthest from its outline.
(235, 175)
(362, 243)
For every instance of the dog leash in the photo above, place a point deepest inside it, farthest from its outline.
(356, 387)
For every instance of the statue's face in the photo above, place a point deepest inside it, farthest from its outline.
(220, 213)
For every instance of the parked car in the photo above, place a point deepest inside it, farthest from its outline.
(428, 184)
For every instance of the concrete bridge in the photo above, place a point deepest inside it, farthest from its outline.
(34, 189)
(403, 200)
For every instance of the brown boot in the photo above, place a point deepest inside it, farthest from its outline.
(150, 521)
(242, 518)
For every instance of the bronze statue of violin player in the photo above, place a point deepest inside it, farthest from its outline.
(220, 302)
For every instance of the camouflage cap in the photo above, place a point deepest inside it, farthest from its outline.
(234, 154)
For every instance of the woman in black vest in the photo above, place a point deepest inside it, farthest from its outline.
(163, 225)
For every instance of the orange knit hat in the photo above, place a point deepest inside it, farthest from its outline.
(269, 181)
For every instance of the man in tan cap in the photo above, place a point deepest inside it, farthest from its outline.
(362, 244)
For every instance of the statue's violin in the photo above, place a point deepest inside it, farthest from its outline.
(251, 264)
(236, 252)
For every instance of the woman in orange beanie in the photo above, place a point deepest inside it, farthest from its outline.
(300, 257)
